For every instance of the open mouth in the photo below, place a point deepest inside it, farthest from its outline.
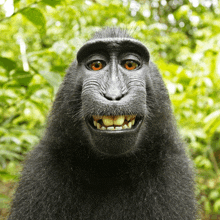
(114, 123)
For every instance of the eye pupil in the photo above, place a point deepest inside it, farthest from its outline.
(130, 65)
(96, 65)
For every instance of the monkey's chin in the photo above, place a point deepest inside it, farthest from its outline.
(114, 143)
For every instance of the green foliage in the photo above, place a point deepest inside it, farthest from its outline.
(41, 38)
(7, 64)
(52, 3)
(35, 16)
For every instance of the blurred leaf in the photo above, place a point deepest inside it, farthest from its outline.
(3, 200)
(52, 3)
(212, 122)
(10, 154)
(35, 16)
(16, 1)
(40, 105)
(53, 78)
(218, 64)
(217, 206)
(203, 162)
(7, 63)
(22, 77)
(214, 194)
(6, 176)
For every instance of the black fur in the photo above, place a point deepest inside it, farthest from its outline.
(77, 174)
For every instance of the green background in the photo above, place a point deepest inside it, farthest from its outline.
(39, 39)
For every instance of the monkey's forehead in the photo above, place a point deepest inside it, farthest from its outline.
(111, 44)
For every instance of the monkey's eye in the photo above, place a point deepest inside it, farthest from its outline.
(96, 65)
(130, 64)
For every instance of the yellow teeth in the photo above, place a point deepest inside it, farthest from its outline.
(118, 122)
(98, 126)
(107, 120)
(96, 118)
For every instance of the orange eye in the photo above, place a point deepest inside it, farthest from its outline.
(130, 65)
(96, 65)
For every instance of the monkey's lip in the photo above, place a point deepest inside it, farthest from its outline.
(116, 123)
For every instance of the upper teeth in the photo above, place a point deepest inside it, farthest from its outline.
(117, 122)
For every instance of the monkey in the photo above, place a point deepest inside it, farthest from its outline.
(111, 149)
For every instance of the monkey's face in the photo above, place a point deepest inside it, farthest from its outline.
(113, 76)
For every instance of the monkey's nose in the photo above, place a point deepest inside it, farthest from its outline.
(113, 93)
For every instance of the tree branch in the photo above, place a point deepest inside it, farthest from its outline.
(20, 10)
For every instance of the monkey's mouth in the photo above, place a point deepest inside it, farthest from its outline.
(114, 123)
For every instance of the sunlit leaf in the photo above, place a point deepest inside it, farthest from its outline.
(35, 16)
(212, 121)
(16, 1)
(217, 206)
(6, 176)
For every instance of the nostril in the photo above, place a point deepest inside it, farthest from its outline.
(113, 97)
(118, 98)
